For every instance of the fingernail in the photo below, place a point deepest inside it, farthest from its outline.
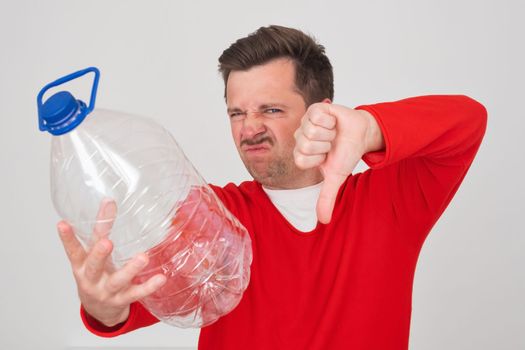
(141, 262)
(61, 227)
(160, 280)
(109, 210)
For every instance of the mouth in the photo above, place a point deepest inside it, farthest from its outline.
(256, 149)
(257, 145)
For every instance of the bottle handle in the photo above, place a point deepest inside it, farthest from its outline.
(65, 79)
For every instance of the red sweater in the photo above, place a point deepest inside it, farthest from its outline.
(348, 284)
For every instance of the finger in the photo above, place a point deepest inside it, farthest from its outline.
(122, 278)
(338, 165)
(140, 291)
(96, 260)
(310, 148)
(74, 250)
(105, 218)
(327, 197)
(319, 114)
(306, 162)
(317, 133)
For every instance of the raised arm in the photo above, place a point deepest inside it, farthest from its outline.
(441, 131)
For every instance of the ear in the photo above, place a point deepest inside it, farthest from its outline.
(327, 100)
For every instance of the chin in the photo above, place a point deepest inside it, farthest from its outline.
(258, 174)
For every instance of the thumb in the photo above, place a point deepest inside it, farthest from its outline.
(327, 196)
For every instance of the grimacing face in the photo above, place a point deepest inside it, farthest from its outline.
(265, 110)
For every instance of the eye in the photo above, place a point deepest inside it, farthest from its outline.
(236, 115)
(272, 111)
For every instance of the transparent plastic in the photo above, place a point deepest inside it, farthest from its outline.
(165, 209)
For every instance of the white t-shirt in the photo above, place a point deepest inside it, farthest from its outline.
(297, 205)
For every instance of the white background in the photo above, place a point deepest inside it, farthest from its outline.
(159, 58)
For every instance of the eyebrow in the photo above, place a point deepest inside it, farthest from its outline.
(231, 110)
(261, 107)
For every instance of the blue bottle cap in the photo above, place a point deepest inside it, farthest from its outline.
(61, 112)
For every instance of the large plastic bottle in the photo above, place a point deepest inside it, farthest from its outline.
(165, 208)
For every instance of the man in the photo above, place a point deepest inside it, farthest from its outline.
(334, 254)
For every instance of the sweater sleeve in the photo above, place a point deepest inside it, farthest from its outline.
(138, 317)
(430, 143)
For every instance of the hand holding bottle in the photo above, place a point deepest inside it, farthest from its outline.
(105, 293)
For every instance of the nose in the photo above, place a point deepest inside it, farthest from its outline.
(252, 125)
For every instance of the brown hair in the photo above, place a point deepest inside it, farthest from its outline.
(313, 72)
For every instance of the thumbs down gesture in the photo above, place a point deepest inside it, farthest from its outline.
(334, 138)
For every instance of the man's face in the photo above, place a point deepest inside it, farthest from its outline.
(265, 109)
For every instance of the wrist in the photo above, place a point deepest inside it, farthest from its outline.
(374, 140)
(108, 320)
